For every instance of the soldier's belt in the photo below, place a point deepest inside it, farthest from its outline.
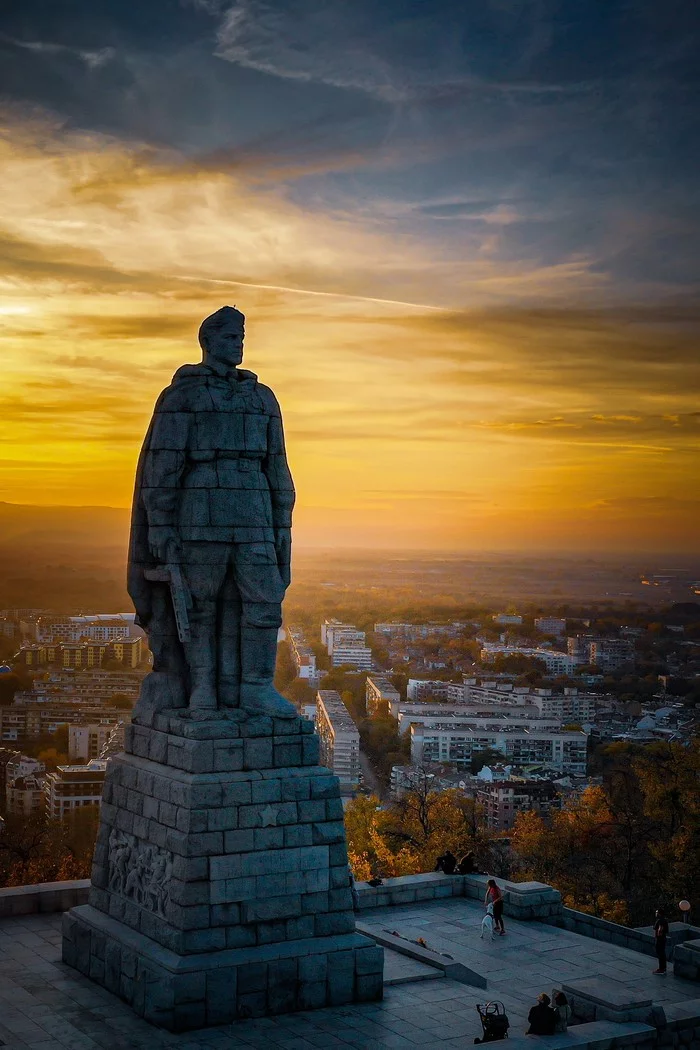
(244, 462)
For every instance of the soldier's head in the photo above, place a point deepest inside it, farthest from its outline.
(221, 336)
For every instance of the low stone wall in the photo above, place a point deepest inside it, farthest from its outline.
(43, 897)
(521, 900)
(686, 960)
(598, 1035)
(637, 940)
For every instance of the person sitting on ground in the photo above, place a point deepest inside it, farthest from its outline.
(466, 865)
(562, 1011)
(446, 863)
(542, 1018)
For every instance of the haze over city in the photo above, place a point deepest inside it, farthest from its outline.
(464, 237)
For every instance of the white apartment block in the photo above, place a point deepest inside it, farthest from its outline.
(556, 662)
(24, 795)
(23, 766)
(506, 619)
(424, 689)
(610, 654)
(551, 625)
(357, 656)
(102, 628)
(414, 632)
(476, 716)
(304, 657)
(86, 742)
(452, 743)
(380, 695)
(71, 787)
(340, 740)
(568, 704)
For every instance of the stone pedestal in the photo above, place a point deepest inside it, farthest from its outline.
(220, 885)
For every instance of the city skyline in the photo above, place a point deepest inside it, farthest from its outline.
(465, 242)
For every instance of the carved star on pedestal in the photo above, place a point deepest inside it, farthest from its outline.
(268, 817)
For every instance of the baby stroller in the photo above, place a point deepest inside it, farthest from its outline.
(494, 1022)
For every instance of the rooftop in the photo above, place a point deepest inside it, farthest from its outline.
(45, 1005)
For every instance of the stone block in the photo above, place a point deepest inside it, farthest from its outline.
(257, 753)
(239, 841)
(191, 820)
(330, 831)
(288, 907)
(238, 793)
(300, 929)
(221, 995)
(310, 750)
(228, 756)
(311, 810)
(288, 754)
(266, 791)
(334, 923)
(268, 838)
(298, 835)
(295, 789)
(225, 914)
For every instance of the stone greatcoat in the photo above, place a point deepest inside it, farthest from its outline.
(213, 468)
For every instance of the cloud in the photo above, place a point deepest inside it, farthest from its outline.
(92, 59)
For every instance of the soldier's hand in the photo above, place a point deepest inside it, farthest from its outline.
(164, 544)
(283, 549)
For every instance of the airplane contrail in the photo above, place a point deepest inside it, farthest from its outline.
(308, 291)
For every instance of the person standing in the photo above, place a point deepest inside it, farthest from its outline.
(660, 935)
(495, 897)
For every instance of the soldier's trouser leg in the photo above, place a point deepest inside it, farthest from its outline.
(262, 591)
(205, 569)
(229, 644)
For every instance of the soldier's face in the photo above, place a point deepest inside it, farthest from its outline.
(226, 343)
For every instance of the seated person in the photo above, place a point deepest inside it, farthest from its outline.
(562, 1010)
(446, 863)
(542, 1018)
(466, 865)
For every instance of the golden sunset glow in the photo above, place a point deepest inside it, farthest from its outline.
(429, 400)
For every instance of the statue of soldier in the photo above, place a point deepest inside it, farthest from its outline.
(209, 558)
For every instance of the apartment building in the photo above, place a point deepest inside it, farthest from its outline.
(86, 742)
(456, 743)
(556, 662)
(427, 689)
(304, 657)
(380, 695)
(81, 655)
(502, 800)
(24, 795)
(551, 625)
(73, 786)
(21, 722)
(108, 627)
(340, 740)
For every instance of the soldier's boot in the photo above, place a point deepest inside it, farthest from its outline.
(200, 653)
(258, 658)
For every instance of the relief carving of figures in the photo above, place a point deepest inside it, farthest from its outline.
(141, 873)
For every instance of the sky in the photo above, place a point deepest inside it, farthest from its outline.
(465, 234)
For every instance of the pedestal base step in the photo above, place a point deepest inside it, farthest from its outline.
(180, 993)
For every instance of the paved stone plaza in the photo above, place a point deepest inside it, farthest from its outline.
(46, 1005)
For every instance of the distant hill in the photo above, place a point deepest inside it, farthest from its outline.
(93, 526)
(63, 558)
